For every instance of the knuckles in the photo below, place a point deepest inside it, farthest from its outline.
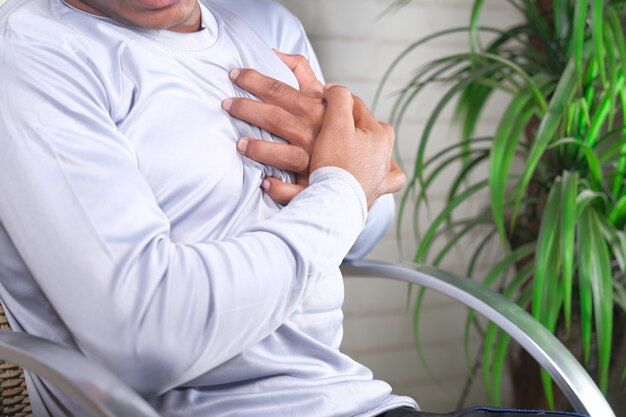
(300, 60)
(298, 157)
(339, 91)
(276, 89)
(278, 118)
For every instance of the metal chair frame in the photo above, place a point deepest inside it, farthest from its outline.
(103, 395)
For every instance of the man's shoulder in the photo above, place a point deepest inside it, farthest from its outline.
(30, 19)
(276, 25)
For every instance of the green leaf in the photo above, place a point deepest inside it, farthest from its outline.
(445, 213)
(614, 150)
(578, 38)
(416, 45)
(568, 236)
(478, 251)
(544, 259)
(471, 103)
(532, 85)
(613, 71)
(488, 342)
(596, 274)
(561, 19)
(469, 226)
(617, 243)
(619, 291)
(505, 141)
(597, 34)
(496, 272)
(585, 198)
(464, 174)
(474, 22)
(621, 165)
(547, 129)
(614, 23)
(542, 30)
(443, 102)
(618, 214)
(585, 287)
(599, 117)
(417, 333)
(592, 160)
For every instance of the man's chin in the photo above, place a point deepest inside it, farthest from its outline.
(174, 15)
(157, 4)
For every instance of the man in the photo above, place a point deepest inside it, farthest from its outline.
(135, 232)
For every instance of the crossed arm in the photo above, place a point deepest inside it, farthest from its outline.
(298, 117)
(85, 224)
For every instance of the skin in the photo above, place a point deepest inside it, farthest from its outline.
(174, 15)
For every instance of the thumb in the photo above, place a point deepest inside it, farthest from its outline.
(339, 117)
(307, 80)
(280, 192)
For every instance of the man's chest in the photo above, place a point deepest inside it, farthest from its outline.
(170, 110)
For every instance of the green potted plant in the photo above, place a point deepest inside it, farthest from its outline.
(556, 170)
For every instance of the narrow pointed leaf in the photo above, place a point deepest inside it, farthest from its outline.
(544, 259)
(618, 214)
(547, 129)
(505, 141)
(568, 235)
(580, 25)
(597, 31)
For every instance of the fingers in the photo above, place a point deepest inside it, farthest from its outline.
(276, 92)
(395, 180)
(362, 117)
(281, 192)
(272, 119)
(339, 111)
(299, 65)
(278, 155)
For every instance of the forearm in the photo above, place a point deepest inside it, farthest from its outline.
(175, 310)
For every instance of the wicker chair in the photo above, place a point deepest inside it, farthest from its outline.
(104, 395)
(13, 394)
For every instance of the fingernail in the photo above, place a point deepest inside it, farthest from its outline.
(226, 104)
(329, 85)
(234, 73)
(265, 184)
(242, 145)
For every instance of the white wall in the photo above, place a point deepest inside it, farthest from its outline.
(355, 46)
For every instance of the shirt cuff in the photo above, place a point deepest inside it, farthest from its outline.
(339, 174)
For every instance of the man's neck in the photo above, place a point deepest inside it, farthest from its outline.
(191, 23)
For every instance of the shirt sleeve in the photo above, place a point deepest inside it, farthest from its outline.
(84, 220)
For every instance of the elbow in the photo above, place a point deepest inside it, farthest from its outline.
(153, 373)
(151, 358)
(149, 371)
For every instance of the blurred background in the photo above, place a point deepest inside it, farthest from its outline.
(356, 41)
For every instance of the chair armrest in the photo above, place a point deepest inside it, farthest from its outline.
(547, 350)
(97, 390)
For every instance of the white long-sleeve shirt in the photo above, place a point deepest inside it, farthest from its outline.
(132, 231)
